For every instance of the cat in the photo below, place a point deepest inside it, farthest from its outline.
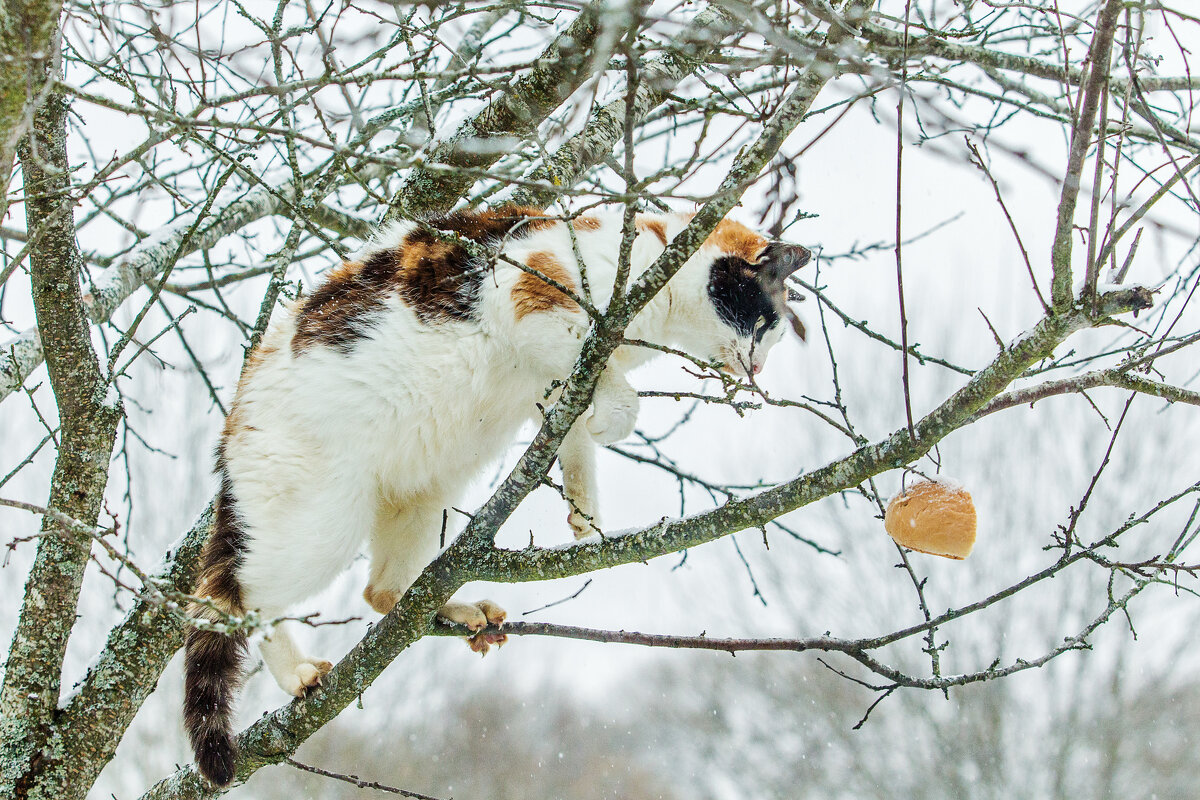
(372, 402)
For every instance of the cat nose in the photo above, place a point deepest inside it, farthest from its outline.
(791, 253)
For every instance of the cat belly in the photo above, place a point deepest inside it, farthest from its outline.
(316, 444)
(450, 447)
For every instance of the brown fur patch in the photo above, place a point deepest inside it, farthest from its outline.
(438, 279)
(655, 226)
(233, 420)
(531, 294)
(735, 239)
(494, 223)
(222, 553)
(585, 223)
(329, 315)
(435, 278)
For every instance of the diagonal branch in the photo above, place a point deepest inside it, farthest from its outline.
(563, 168)
(480, 141)
(898, 449)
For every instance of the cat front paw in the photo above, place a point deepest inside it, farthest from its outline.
(614, 408)
(477, 616)
(610, 422)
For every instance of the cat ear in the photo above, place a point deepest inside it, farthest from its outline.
(777, 262)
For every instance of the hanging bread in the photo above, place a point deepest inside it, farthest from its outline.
(935, 517)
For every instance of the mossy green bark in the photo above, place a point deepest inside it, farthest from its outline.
(88, 422)
(28, 32)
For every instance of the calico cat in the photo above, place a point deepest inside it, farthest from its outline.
(371, 403)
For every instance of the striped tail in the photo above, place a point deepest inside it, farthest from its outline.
(213, 660)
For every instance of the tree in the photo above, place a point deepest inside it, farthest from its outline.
(247, 149)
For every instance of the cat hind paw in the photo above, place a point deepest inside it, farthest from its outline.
(306, 676)
(583, 525)
(380, 599)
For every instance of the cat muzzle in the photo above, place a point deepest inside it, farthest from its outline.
(780, 259)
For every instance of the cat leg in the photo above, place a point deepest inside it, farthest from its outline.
(295, 672)
(302, 541)
(405, 539)
(577, 457)
(614, 407)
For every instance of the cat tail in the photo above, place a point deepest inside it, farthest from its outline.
(213, 658)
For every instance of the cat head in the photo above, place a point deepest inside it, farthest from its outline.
(736, 298)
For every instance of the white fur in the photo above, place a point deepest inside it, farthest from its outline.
(329, 451)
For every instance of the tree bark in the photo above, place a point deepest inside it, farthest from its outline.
(88, 418)
(28, 31)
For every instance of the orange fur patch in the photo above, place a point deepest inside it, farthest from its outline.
(233, 422)
(531, 294)
(735, 239)
(585, 223)
(498, 221)
(266, 348)
(656, 226)
(380, 599)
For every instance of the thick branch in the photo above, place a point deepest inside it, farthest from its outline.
(895, 451)
(596, 141)
(92, 723)
(28, 39)
(480, 142)
(22, 355)
(88, 423)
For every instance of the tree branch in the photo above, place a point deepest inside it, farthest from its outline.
(1099, 57)
(28, 40)
(480, 141)
(93, 721)
(1080, 383)
(897, 450)
(658, 77)
(88, 419)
